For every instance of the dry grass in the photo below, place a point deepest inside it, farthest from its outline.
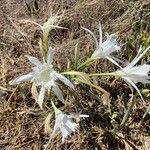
(22, 121)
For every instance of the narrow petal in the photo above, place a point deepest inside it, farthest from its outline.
(50, 56)
(117, 59)
(140, 70)
(137, 58)
(138, 73)
(92, 36)
(113, 61)
(139, 78)
(134, 85)
(23, 78)
(41, 97)
(58, 92)
(83, 116)
(33, 60)
(55, 26)
(100, 34)
(64, 80)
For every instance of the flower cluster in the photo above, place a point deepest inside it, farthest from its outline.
(45, 76)
(131, 73)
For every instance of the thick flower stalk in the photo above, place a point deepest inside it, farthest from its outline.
(45, 76)
(103, 49)
(133, 74)
(64, 123)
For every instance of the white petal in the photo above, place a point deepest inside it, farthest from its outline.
(100, 34)
(140, 70)
(92, 36)
(51, 22)
(58, 92)
(137, 58)
(134, 85)
(138, 73)
(117, 59)
(55, 26)
(33, 60)
(23, 78)
(67, 127)
(71, 125)
(64, 80)
(83, 116)
(109, 46)
(50, 56)
(138, 78)
(41, 97)
(113, 61)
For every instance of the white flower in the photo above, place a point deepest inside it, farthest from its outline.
(64, 123)
(51, 23)
(45, 76)
(104, 49)
(133, 74)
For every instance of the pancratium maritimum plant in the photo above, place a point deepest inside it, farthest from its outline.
(103, 49)
(133, 74)
(45, 76)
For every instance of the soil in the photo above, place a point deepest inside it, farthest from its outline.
(22, 121)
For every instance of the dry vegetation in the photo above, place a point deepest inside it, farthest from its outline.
(21, 120)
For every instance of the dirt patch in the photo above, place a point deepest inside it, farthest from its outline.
(21, 120)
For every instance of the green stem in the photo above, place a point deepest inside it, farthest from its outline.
(72, 73)
(53, 105)
(44, 45)
(85, 63)
(90, 75)
(45, 42)
(104, 74)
